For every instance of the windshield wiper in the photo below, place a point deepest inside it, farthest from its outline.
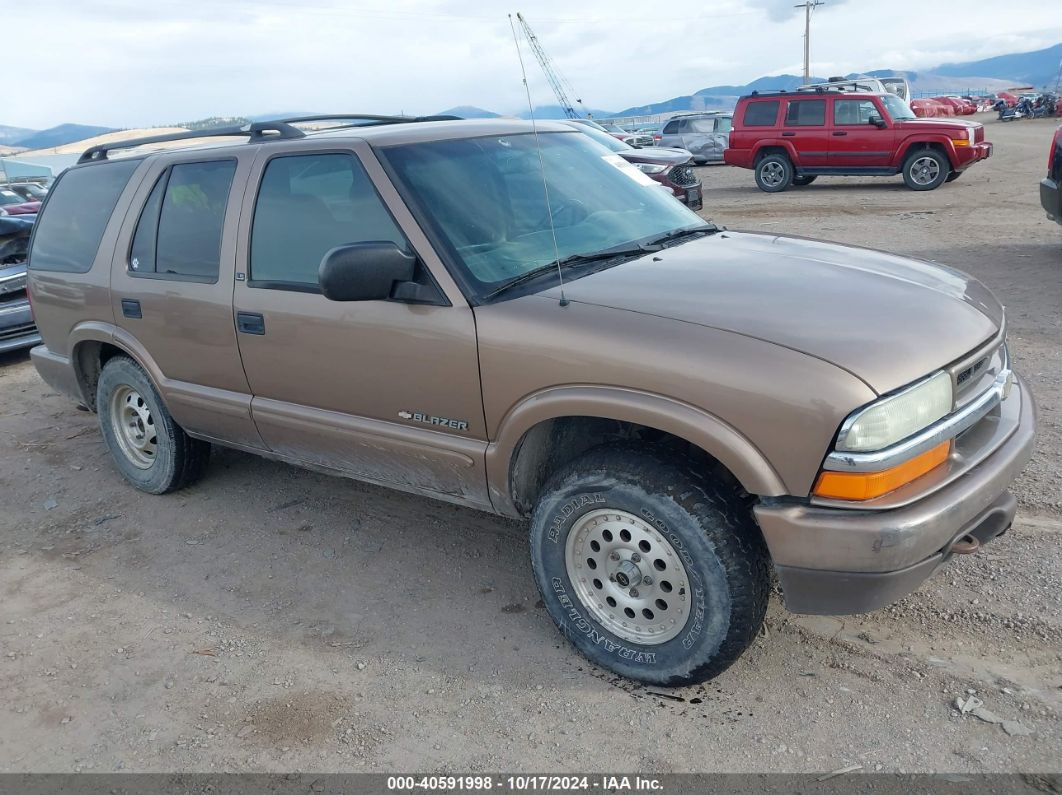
(605, 255)
(675, 234)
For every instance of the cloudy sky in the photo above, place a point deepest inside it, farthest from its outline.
(146, 62)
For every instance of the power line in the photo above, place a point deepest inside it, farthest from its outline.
(808, 6)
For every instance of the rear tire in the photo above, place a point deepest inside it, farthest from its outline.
(619, 515)
(954, 175)
(150, 450)
(801, 181)
(774, 173)
(925, 169)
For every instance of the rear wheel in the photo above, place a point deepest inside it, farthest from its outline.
(925, 169)
(647, 568)
(148, 447)
(801, 181)
(774, 173)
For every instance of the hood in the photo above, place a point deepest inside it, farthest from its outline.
(886, 319)
(949, 122)
(658, 155)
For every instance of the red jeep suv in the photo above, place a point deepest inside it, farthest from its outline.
(789, 138)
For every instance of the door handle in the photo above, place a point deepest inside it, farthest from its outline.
(131, 308)
(250, 323)
(839, 132)
(788, 134)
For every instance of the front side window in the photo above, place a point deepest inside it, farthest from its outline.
(308, 205)
(179, 231)
(806, 113)
(70, 229)
(486, 199)
(853, 111)
(761, 114)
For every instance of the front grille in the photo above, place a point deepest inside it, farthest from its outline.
(17, 331)
(683, 176)
(976, 372)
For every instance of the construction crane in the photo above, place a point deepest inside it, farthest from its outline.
(560, 86)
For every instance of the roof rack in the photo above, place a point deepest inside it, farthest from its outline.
(255, 132)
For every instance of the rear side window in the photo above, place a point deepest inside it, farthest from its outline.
(806, 113)
(80, 203)
(703, 125)
(179, 232)
(761, 114)
(306, 206)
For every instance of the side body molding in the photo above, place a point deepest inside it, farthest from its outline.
(698, 427)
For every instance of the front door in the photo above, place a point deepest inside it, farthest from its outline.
(384, 391)
(855, 143)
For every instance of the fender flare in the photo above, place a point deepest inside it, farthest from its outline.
(106, 333)
(701, 428)
(772, 143)
(904, 147)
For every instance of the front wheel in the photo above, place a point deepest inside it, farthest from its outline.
(647, 568)
(954, 175)
(801, 181)
(925, 169)
(774, 173)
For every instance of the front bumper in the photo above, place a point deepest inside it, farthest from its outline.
(1051, 199)
(837, 561)
(968, 155)
(690, 195)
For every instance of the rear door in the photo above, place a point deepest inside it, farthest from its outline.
(171, 289)
(804, 126)
(385, 391)
(855, 143)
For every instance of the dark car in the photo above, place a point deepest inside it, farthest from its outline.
(1051, 185)
(672, 168)
(17, 329)
(29, 191)
(12, 203)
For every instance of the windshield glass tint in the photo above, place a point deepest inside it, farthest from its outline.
(485, 197)
(897, 108)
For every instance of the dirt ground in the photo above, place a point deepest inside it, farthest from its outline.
(275, 619)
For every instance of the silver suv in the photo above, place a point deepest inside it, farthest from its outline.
(703, 135)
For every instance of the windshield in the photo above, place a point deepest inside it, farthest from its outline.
(897, 108)
(485, 198)
(610, 142)
(10, 197)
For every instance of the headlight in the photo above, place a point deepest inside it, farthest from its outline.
(651, 168)
(894, 418)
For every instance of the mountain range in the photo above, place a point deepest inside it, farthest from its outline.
(1038, 68)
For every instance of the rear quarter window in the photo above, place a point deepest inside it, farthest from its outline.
(761, 114)
(79, 205)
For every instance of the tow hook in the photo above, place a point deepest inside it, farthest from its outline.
(966, 545)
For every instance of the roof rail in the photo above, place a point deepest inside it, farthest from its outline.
(255, 132)
(259, 130)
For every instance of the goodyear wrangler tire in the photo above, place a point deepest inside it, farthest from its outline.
(647, 568)
(150, 450)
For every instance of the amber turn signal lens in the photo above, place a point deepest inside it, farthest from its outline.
(858, 486)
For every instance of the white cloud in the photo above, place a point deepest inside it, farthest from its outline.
(130, 63)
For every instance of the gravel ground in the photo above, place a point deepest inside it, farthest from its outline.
(275, 619)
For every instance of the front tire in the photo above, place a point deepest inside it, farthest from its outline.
(150, 450)
(774, 173)
(925, 169)
(619, 516)
(801, 181)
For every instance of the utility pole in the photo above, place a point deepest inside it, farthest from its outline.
(808, 6)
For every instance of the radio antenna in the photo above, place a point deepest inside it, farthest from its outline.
(541, 163)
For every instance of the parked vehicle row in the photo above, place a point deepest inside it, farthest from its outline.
(13, 203)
